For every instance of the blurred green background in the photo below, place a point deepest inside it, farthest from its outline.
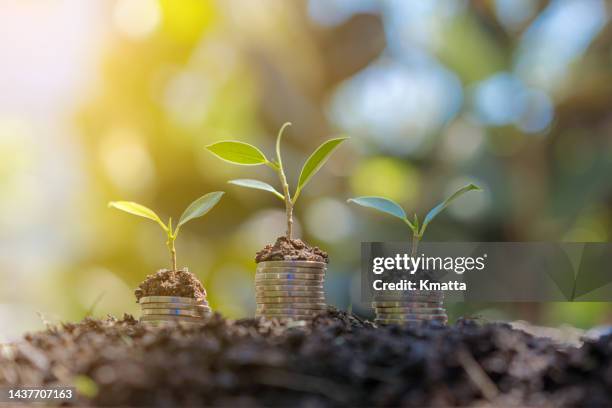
(105, 100)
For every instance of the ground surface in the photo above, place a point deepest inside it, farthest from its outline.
(285, 249)
(171, 283)
(339, 360)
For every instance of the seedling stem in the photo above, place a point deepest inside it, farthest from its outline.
(247, 155)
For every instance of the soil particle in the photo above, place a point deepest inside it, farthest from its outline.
(337, 360)
(285, 249)
(171, 283)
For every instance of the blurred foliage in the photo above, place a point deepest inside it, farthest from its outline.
(433, 95)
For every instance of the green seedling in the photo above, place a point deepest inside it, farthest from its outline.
(198, 208)
(248, 155)
(388, 206)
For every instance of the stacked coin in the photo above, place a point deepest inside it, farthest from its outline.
(290, 289)
(411, 307)
(161, 309)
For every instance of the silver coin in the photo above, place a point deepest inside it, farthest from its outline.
(384, 304)
(407, 321)
(193, 308)
(289, 276)
(172, 299)
(428, 305)
(291, 270)
(286, 299)
(172, 306)
(417, 316)
(407, 298)
(173, 312)
(269, 293)
(167, 318)
(289, 282)
(292, 317)
(402, 318)
(288, 311)
(288, 288)
(423, 310)
(312, 306)
(291, 264)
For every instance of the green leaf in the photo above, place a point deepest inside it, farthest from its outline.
(258, 185)
(137, 209)
(238, 153)
(200, 207)
(381, 204)
(316, 160)
(440, 207)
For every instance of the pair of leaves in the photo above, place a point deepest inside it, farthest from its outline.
(248, 155)
(391, 207)
(198, 208)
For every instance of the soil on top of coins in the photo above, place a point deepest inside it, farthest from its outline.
(285, 249)
(336, 360)
(166, 282)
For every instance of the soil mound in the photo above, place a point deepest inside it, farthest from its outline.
(285, 249)
(171, 283)
(337, 360)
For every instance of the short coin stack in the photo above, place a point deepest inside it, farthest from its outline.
(412, 307)
(290, 289)
(162, 309)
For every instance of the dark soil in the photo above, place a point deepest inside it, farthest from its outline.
(171, 283)
(285, 249)
(337, 360)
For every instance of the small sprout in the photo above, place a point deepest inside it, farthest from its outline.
(391, 207)
(198, 208)
(247, 155)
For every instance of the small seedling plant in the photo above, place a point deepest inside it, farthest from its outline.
(388, 206)
(196, 209)
(245, 154)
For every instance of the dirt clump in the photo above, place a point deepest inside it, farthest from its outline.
(171, 283)
(285, 249)
(336, 360)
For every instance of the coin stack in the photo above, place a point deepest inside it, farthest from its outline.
(162, 309)
(413, 307)
(290, 289)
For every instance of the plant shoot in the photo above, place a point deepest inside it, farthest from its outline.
(198, 208)
(388, 206)
(248, 155)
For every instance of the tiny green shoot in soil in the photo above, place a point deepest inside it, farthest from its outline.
(248, 155)
(196, 209)
(388, 206)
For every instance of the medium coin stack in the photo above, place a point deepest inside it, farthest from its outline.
(412, 307)
(162, 309)
(290, 289)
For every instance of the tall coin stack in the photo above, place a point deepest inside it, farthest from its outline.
(290, 289)
(162, 309)
(412, 307)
